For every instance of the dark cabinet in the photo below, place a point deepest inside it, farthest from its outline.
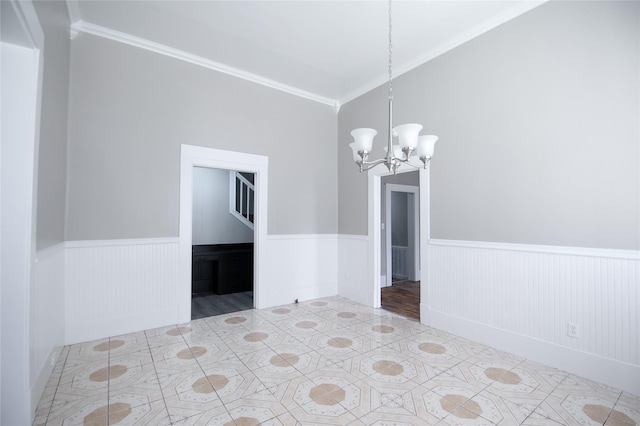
(222, 268)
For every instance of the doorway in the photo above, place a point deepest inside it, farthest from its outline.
(375, 217)
(400, 254)
(190, 158)
(222, 241)
(401, 241)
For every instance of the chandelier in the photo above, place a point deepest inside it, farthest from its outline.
(410, 144)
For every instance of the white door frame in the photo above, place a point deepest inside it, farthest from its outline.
(22, 63)
(196, 156)
(374, 233)
(415, 191)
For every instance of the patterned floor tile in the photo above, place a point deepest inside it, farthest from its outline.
(309, 324)
(72, 409)
(394, 400)
(504, 379)
(548, 376)
(173, 379)
(178, 354)
(189, 411)
(387, 366)
(461, 406)
(217, 415)
(343, 342)
(89, 351)
(133, 378)
(322, 399)
(329, 361)
(163, 336)
(459, 375)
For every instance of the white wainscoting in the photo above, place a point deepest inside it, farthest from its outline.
(520, 298)
(354, 268)
(302, 267)
(120, 286)
(47, 318)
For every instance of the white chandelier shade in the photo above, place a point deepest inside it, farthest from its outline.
(407, 135)
(426, 145)
(410, 144)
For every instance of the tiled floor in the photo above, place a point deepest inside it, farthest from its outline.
(328, 361)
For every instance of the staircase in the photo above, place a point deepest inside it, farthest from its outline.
(242, 197)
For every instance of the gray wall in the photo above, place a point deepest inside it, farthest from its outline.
(52, 163)
(539, 131)
(212, 222)
(130, 110)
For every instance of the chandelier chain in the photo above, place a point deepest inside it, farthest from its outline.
(390, 54)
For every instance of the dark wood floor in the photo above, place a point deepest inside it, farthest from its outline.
(209, 304)
(402, 298)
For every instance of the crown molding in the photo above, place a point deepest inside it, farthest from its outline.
(97, 30)
(478, 30)
(74, 13)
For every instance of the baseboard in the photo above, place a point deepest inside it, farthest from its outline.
(40, 383)
(614, 373)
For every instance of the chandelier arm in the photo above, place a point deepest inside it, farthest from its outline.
(371, 164)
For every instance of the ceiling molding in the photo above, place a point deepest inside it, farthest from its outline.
(97, 30)
(478, 30)
(74, 11)
(23, 26)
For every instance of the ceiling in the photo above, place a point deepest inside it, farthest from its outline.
(331, 51)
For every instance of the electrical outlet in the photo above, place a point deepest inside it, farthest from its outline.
(573, 330)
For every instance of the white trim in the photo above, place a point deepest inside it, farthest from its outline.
(533, 248)
(374, 217)
(26, 14)
(20, 142)
(97, 30)
(301, 236)
(127, 242)
(48, 252)
(74, 15)
(353, 237)
(618, 374)
(409, 189)
(195, 156)
(517, 10)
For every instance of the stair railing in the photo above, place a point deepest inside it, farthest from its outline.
(241, 198)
